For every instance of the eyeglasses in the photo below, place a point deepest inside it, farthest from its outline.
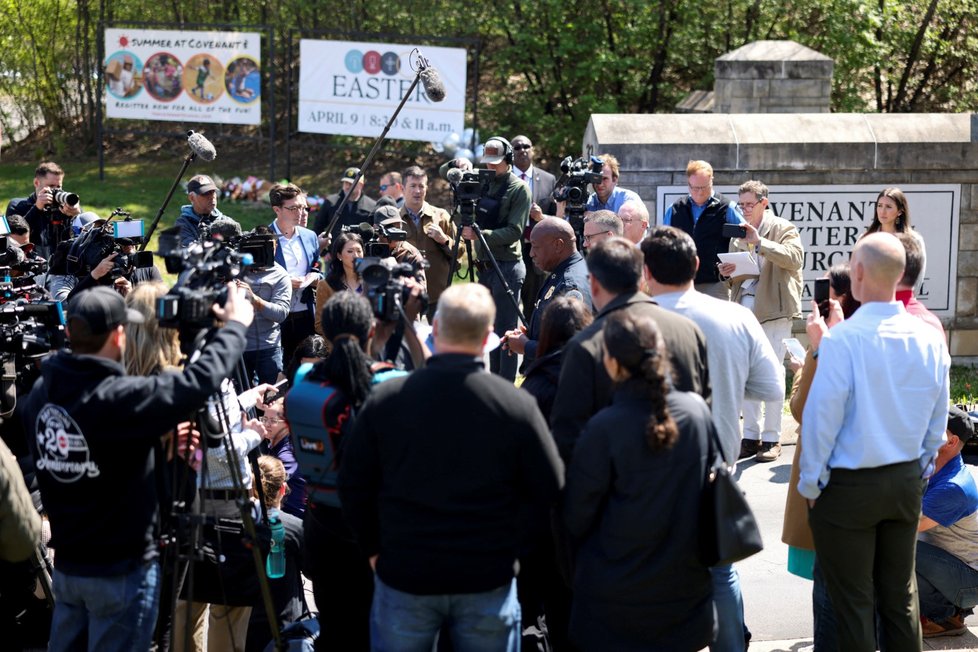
(698, 188)
(297, 208)
(385, 186)
(522, 147)
(270, 420)
(748, 207)
(587, 238)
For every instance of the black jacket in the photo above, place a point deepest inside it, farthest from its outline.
(638, 582)
(541, 380)
(354, 213)
(707, 233)
(585, 386)
(92, 430)
(436, 471)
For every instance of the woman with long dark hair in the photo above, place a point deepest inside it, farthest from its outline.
(632, 503)
(892, 213)
(341, 575)
(341, 274)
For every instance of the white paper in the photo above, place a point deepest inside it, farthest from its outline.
(745, 263)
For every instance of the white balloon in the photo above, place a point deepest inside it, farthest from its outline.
(438, 147)
(465, 153)
(451, 143)
(480, 150)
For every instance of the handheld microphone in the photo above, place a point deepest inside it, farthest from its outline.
(201, 146)
(454, 176)
(433, 86)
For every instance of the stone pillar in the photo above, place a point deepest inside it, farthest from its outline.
(773, 77)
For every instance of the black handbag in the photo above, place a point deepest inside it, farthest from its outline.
(728, 529)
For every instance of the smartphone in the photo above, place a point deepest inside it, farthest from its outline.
(821, 296)
(275, 393)
(794, 347)
(733, 231)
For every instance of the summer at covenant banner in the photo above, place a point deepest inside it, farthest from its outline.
(183, 76)
(353, 88)
(831, 218)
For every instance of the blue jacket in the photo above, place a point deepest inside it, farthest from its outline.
(310, 246)
(189, 223)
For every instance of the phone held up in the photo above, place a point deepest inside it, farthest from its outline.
(821, 296)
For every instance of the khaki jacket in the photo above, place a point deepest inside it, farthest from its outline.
(777, 294)
(437, 255)
(795, 531)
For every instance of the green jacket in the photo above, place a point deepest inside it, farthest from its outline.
(505, 241)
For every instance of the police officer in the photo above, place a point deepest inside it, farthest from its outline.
(502, 215)
(554, 252)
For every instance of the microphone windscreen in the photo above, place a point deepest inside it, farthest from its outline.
(433, 87)
(201, 146)
(366, 230)
(454, 176)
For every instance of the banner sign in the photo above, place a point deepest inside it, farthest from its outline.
(353, 88)
(831, 218)
(183, 76)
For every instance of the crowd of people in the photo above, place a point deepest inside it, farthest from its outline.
(191, 482)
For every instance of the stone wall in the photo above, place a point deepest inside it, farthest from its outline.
(773, 77)
(812, 149)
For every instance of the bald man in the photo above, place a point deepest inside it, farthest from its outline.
(554, 252)
(872, 425)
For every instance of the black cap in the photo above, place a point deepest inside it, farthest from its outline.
(201, 184)
(960, 423)
(101, 310)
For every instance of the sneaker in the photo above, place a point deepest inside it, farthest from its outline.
(748, 448)
(769, 451)
(953, 626)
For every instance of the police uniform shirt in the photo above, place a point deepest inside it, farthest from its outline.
(570, 279)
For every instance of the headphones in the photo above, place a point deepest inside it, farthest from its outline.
(507, 149)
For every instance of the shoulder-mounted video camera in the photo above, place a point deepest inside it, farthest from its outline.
(384, 287)
(101, 240)
(204, 269)
(578, 175)
(371, 235)
(33, 328)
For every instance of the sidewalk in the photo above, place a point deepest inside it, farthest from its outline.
(967, 641)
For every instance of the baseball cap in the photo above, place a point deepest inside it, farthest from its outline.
(101, 310)
(494, 151)
(201, 184)
(350, 174)
(387, 215)
(960, 423)
(81, 221)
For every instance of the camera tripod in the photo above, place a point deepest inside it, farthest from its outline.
(467, 214)
(185, 536)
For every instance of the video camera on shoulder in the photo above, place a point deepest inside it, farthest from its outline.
(371, 235)
(384, 287)
(102, 240)
(578, 175)
(204, 269)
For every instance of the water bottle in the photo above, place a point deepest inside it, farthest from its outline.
(275, 563)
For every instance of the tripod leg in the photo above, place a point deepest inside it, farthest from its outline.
(499, 273)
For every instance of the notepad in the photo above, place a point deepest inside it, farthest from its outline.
(746, 264)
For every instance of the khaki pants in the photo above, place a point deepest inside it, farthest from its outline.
(215, 627)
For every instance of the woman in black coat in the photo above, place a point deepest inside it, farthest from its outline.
(632, 505)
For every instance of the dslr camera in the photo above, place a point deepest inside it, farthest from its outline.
(384, 287)
(59, 198)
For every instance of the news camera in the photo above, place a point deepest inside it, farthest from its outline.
(18, 272)
(572, 188)
(384, 287)
(470, 188)
(204, 269)
(371, 235)
(31, 328)
(102, 240)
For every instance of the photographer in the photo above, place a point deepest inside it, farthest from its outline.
(96, 474)
(48, 218)
(401, 250)
(607, 195)
(503, 211)
(269, 289)
(119, 273)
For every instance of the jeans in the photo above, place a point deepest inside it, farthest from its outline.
(731, 631)
(514, 271)
(476, 622)
(266, 364)
(105, 613)
(944, 583)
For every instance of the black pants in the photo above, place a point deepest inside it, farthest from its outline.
(342, 581)
(296, 327)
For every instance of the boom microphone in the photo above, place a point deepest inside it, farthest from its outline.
(433, 87)
(201, 146)
(454, 176)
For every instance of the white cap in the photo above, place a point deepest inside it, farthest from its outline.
(494, 151)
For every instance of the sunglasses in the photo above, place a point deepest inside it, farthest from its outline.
(522, 147)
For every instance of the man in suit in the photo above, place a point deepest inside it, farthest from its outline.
(298, 254)
(541, 184)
